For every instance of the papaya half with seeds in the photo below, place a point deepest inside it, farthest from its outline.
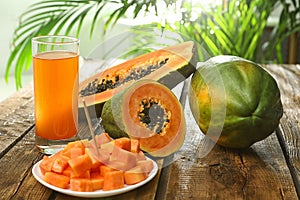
(169, 66)
(147, 111)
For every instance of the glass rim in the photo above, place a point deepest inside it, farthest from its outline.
(71, 40)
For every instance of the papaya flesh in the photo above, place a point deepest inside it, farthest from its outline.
(169, 66)
(234, 101)
(149, 112)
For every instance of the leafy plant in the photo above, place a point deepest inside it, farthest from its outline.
(289, 23)
(234, 27)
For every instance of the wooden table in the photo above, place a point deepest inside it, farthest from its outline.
(269, 169)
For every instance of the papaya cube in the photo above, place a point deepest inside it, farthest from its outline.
(73, 152)
(123, 143)
(135, 146)
(80, 164)
(147, 165)
(59, 164)
(117, 165)
(81, 185)
(67, 171)
(85, 174)
(96, 175)
(57, 180)
(46, 164)
(77, 144)
(113, 180)
(105, 169)
(93, 155)
(134, 175)
(102, 139)
(128, 158)
(97, 181)
(141, 156)
(108, 147)
(101, 156)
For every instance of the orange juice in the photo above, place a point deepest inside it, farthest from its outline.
(55, 93)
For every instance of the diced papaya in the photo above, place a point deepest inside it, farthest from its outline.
(78, 143)
(57, 180)
(102, 139)
(117, 165)
(123, 143)
(97, 181)
(74, 152)
(59, 164)
(81, 185)
(134, 175)
(80, 164)
(108, 147)
(67, 171)
(128, 158)
(147, 165)
(85, 174)
(98, 157)
(93, 156)
(46, 164)
(135, 146)
(96, 175)
(105, 169)
(141, 156)
(113, 180)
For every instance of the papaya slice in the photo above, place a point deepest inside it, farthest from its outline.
(149, 112)
(169, 66)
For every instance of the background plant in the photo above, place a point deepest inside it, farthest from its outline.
(232, 27)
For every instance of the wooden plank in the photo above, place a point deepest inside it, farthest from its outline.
(197, 172)
(16, 118)
(16, 181)
(288, 77)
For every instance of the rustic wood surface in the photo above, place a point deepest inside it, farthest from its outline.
(269, 169)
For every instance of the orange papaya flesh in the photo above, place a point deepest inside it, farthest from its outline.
(57, 180)
(148, 112)
(81, 184)
(113, 180)
(169, 66)
(134, 175)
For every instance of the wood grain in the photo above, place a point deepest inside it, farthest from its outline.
(16, 118)
(288, 79)
(16, 180)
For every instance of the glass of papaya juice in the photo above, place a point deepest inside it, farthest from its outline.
(55, 77)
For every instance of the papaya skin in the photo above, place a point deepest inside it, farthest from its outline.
(120, 118)
(246, 107)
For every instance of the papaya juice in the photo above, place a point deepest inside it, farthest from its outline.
(56, 94)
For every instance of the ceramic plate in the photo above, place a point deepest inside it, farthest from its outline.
(98, 193)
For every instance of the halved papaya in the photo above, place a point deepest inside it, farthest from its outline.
(149, 112)
(169, 66)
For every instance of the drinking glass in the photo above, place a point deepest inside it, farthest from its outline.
(55, 75)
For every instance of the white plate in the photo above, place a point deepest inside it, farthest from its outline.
(98, 193)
